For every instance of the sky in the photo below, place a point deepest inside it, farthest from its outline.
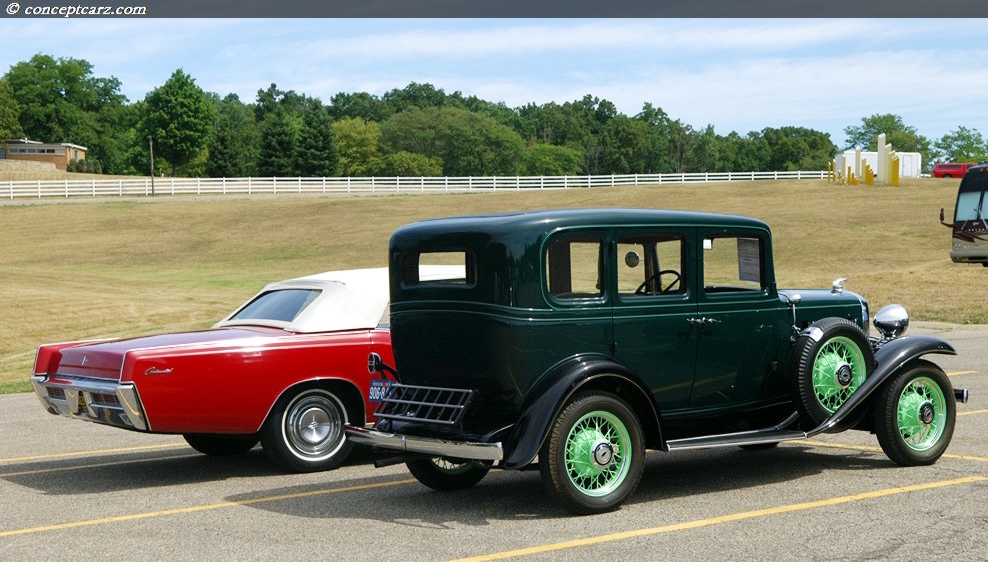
(737, 75)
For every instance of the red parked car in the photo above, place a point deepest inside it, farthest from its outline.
(288, 369)
(950, 169)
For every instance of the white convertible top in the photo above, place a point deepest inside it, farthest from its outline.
(351, 299)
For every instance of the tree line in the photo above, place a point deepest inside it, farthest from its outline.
(418, 130)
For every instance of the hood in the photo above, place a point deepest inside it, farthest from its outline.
(815, 304)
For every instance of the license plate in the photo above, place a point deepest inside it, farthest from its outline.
(378, 388)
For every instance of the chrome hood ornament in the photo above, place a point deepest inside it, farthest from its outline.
(838, 285)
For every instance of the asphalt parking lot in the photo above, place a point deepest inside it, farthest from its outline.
(72, 490)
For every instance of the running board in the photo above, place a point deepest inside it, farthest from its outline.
(735, 439)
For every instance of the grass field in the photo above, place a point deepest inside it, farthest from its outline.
(81, 269)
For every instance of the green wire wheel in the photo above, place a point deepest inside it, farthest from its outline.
(831, 360)
(593, 457)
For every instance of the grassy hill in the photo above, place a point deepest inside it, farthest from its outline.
(79, 268)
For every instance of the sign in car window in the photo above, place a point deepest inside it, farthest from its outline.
(749, 260)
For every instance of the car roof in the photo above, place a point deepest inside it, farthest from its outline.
(348, 300)
(555, 218)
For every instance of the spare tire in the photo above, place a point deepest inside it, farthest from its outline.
(831, 359)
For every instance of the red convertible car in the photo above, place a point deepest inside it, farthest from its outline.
(288, 369)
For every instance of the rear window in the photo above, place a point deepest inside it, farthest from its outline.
(282, 306)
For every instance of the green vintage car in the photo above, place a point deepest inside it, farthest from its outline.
(578, 339)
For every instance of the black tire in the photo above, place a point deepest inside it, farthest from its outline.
(594, 455)
(304, 432)
(829, 364)
(447, 475)
(915, 414)
(220, 445)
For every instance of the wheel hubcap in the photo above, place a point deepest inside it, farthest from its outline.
(603, 454)
(313, 426)
(844, 375)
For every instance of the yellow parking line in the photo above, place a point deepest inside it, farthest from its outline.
(197, 508)
(720, 520)
(92, 465)
(869, 448)
(879, 450)
(972, 412)
(959, 373)
(93, 452)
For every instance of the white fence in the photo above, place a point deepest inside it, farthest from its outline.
(144, 186)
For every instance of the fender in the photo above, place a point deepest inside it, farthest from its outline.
(893, 355)
(560, 383)
(889, 358)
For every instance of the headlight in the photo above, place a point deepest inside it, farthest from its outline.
(892, 320)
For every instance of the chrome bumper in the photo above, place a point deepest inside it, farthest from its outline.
(413, 444)
(108, 403)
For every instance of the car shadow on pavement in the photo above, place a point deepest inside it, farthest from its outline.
(519, 495)
(134, 470)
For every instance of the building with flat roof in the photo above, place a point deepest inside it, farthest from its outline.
(58, 154)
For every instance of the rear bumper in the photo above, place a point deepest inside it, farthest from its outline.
(108, 403)
(437, 447)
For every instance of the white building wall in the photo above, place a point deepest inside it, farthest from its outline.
(910, 163)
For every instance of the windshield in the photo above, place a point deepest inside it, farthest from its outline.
(971, 206)
(282, 306)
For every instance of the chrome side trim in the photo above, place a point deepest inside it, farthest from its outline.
(413, 444)
(76, 398)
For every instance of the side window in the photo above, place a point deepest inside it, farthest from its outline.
(732, 264)
(573, 268)
(650, 265)
(447, 268)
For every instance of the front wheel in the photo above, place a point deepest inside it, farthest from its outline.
(594, 456)
(915, 415)
(447, 475)
(305, 431)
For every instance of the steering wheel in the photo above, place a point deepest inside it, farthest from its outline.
(641, 288)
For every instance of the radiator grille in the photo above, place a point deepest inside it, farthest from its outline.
(443, 406)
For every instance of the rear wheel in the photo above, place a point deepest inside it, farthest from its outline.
(447, 475)
(915, 414)
(832, 360)
(220, 445)
(304, 432)
(593, 457)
